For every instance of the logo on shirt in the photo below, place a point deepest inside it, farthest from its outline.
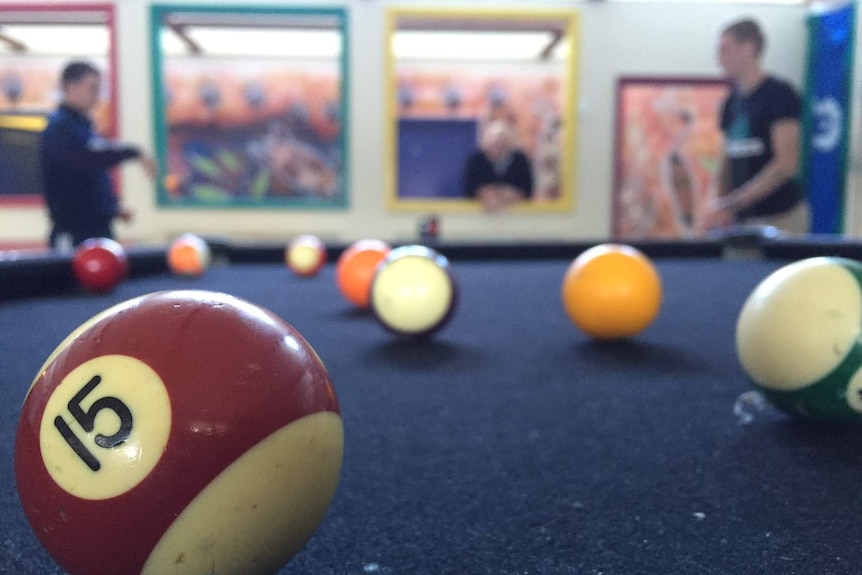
(740, 142)
(747, 148)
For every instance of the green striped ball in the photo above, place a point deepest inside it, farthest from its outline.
(798, 338)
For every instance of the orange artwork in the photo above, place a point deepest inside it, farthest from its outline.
(30, 85)
(531, 99)
(29, 92)
(667, 152)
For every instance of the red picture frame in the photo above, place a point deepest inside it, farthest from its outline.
(666, 149)
(112, 127)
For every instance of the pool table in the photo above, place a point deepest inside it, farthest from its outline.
(511, 443)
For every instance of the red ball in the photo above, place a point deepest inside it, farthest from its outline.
(177, 431)
(99, 265)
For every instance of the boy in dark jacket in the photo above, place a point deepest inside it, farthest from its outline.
(75, 162)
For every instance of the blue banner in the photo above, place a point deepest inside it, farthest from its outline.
(827, 113)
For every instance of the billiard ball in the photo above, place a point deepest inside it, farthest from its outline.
(413, 292)
(188, 255)
(180, 432)
(355, 269)
(612, 291)
(305, 255)
(798, 338)
(99, 264)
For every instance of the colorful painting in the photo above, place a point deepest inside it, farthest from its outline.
(30, 90)
(251, 131)
(442, 106)
(530, 98)
(668, 145)
(30, 86)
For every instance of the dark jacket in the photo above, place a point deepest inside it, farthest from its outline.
(480, 171)
(75, 163)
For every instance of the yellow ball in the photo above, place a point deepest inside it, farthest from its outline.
(305, 255)
(412, 292)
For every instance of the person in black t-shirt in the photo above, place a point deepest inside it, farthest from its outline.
(760, 119)
(75, 163)
(498, 174)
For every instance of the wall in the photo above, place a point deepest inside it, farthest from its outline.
(617, 38)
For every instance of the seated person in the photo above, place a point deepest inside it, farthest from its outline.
(498, 174)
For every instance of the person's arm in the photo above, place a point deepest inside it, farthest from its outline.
(73, 153)
(716, 214)
(722, 177)
(471, 177)
(784, 137)
(523, 176)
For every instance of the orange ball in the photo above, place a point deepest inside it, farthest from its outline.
(355, 270)
(612, 291)
(188, 255)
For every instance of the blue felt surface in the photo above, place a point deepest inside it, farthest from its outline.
(513, 444)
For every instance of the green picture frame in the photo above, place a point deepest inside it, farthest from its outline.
(277, 147)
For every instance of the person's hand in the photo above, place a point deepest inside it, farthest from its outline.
(495, 197)
(150, 166)
(125, 214)
(716, 216)
(490, 198)
(508, 195)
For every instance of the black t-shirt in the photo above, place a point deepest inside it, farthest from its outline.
(480, 171)
(746, 121)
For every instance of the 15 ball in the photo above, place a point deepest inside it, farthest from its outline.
(180, 432)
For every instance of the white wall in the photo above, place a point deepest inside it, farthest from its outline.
(617, 38)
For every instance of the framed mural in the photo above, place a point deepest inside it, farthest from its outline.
(36, 42)
(668, 145)
(458, 79)
(250, 106)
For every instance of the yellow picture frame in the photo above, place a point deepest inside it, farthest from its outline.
(565, 20)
